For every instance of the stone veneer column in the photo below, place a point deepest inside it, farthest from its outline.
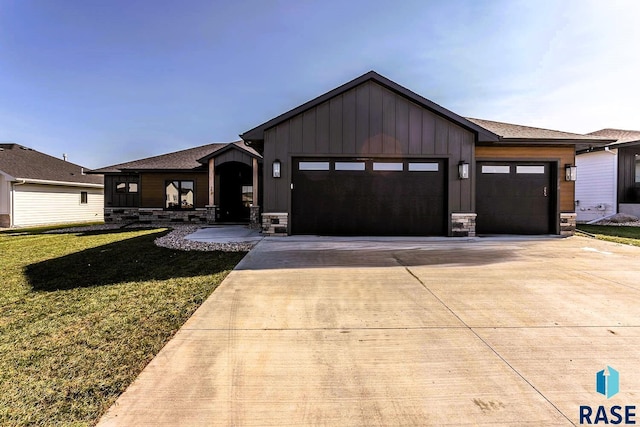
(463, 224)
(254, 217)
(568, 223)
(275, 224)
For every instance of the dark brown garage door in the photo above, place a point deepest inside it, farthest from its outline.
(368, 197)
(515, 198)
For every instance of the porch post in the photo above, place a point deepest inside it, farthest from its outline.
(254, 210)
(211, 207)
(212, 174)
(255, 182)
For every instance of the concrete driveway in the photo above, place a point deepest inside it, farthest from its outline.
(353, 332)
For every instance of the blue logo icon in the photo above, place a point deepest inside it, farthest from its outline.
(608, 382)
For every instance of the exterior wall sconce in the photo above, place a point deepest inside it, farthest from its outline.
(463, 170)
(570, 172)
(276, 168)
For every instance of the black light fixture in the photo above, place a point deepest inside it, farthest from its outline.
(463, 170)
(276, 168)
(570, 172)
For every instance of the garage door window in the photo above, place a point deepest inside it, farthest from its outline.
(495, 169)
(530, 169)
(313, 166)
(423, 167)
(349, 166)
(387, 166)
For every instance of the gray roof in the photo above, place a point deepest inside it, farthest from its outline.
(20, 162)
(620, 135)
(515, 132)
(179, 160)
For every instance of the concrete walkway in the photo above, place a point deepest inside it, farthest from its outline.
(355, 332)
(225, 234)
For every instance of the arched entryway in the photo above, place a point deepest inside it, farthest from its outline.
(234, 187)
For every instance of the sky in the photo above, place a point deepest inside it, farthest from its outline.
(108, 81)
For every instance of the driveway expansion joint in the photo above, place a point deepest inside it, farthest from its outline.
(483, 341)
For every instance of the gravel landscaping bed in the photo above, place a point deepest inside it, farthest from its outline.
(173, 240)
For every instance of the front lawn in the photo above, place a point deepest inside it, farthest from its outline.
(82, 314)
(612, 233)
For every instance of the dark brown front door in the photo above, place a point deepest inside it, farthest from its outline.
(515, 198)
(368, 197)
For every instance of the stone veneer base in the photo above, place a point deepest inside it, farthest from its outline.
(463, 224)
(275, 224)
(153, 215)
(568, 224)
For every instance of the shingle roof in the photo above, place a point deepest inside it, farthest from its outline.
(519, 132)
(22, 162)
(620, 135)
(183, 159)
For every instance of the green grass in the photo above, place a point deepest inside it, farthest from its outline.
(82, 314)
(43, 228)
(612, 233)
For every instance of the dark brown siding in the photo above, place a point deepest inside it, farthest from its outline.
(117, 200)
(152, 187)
(233, 156)
(627, 192)
(563, 155)
(368, 120)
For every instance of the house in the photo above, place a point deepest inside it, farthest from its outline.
(212, 183)
(609, 176)
(367, 158)
(36, 189)
(372, 157)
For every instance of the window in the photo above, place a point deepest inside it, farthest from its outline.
(126, 187)
(637, 169)
(83, 197)
(530, 169)
(313, 166)
(423, 167)
(349, 166)
(387, 166)
(495, 169)
(179, 195)
(247, 195)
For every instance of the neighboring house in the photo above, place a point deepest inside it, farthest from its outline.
(37, 189)
(367, 158)
(609, 176)
(213, 183)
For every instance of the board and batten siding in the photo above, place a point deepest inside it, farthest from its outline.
(561, 155)
(367, 121)
(37, 204)
(152, 187)
(596, 186)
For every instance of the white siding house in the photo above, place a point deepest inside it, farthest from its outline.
(35, 204)
(596, 186)
(38, 189)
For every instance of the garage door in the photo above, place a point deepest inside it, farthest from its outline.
(514, 198)
(368, 197)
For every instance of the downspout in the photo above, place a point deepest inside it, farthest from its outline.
(13, 209)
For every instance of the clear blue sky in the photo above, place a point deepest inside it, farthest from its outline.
(108, 81)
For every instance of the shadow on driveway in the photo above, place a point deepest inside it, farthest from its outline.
(275, 255)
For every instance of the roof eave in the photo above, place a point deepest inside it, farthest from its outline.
(63, 183)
